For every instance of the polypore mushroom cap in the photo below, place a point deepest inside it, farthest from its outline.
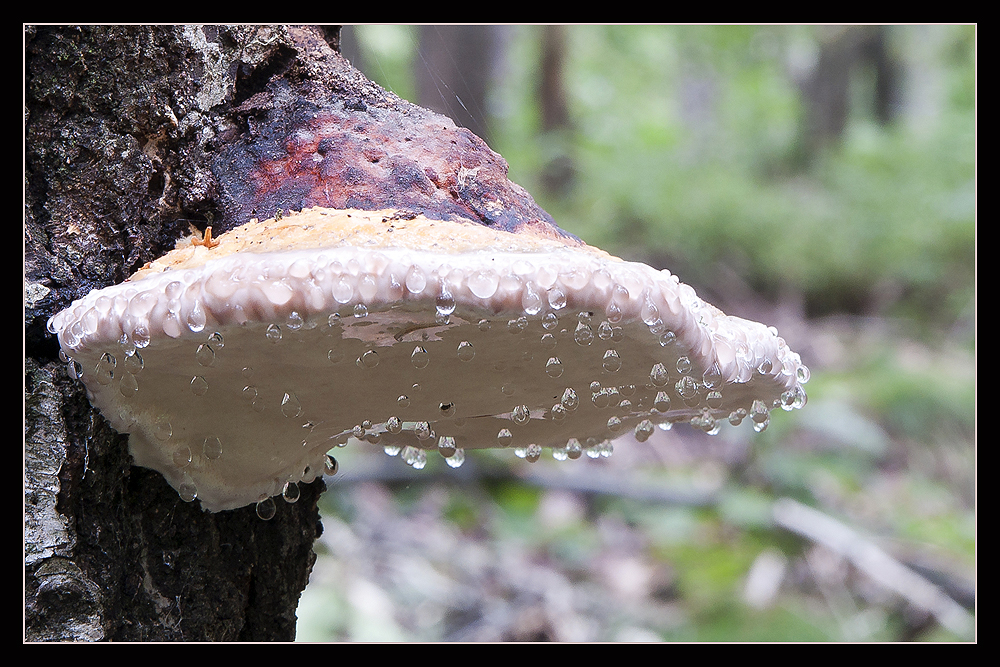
(235, 369)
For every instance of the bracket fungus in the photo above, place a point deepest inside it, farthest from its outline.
(236, 367)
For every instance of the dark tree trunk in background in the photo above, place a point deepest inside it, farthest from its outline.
(558, 173)
(827, 92)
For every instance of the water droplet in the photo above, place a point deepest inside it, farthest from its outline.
(466, 352)
(140, 336)
(484, 283)
(162, 429)
(683, 365)
(447, 409)
(765, 367)
(457, 459)
(583, 335)
(419, 358)
(133, 363)
(532, 453)
(667, 338)
(713, 377)
(484, 325)
(403, 401)
(802, 373)
(659, 375)
(393, 425)
(391, 449)
(414, 457)
(360, 310)
(445, 303)
(517, 325)
(291, 492)
(714, 399)
(182, 457)
(601, 399)
(336, 355)
(611, 361)
(205, 355)
(330, 465)
(368, 360)
(358, 432)
(643, 430)
(343, 290)
(199, 385)
(570, 400)
(422, 430)
(553, 367)
(446, 446)
(687, 387)
(250, 392)
(266, 509)
(216, 339)
(128, 385)
(530, 300)
(614, 424)
(273, 333)
(187, 491)
(521, 414)
(504, 437)
(105, 368)
(196, 318)
(290, 406)
(416, 281)
(573, 449)
(558, 411)
(557, 298)
(212, 447)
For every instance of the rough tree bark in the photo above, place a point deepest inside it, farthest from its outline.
(133, 134)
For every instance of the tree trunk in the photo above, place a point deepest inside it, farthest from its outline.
(132, 135)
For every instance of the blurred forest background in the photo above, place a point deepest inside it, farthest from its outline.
(820, 179)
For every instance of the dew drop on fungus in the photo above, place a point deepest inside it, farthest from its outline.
(466, 352)
(521, 414)
(128, 385)
(683, 365)
(553, 367)
(187, 491)
(643, 430)
(199, 385)
(290, 406)
(368, 360)
(446, 446)
(504, 437)
(403, 401)
(291, 492)
(182, 457)
(212, 447)
(419, 358)
(532, 453)
(330, 465)
(393, 425)
(273, 333)
(266, 508)
(612, 363)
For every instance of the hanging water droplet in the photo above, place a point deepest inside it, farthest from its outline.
(659, 375)
(212, 447)
(548, 341)
(687, 387)
(133, 363)
(162, 430)
(712, 378)
(290, 406)
(714, 399)
(393, 425)
(643, 430)
(273, 333)
(403, 401)
(612, 363)
(330, 465)
(199, 385)
(683, 365)
(187, 491)
(667, 338)
(557, 298)
(140, 336)
(416, 281)
(573, 449)
(266, 509)
(484, 325)
(521, 414)
(196, 318)
(614, 424)
(445, 303)
(336, 355)
(504, 437)
(765, 367)
(291, 492)
(368, 360)
(447, 409)
(205, 355)
(570, 400)
(507, 389)
(553, 367)
(295, 321)
(360, 310)
(105, 369)
(414, 457)
(128, 385)
(466, 352)
(422, 430)
(391, 449)
(182, 457)
(446, 446)
(532, 453)
(457, 459)
(517, 325)
(419, 358)
(583, 335)
(737, 416)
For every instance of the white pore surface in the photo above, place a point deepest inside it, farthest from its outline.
(237, 377)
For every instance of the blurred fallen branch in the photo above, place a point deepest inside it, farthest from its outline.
(873, 561)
